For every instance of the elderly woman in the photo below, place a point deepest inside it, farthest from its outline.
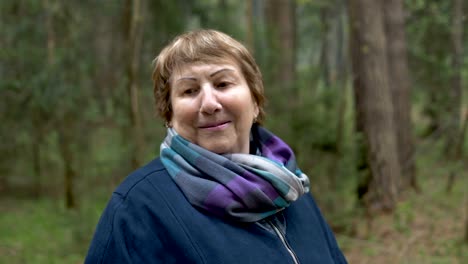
(224, 189)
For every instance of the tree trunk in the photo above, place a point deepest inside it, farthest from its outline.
(325, 18)
(62, 127)
(281, 17)
(260, 39)
(400, 88)
(280, 65)
(466, 222)
(106, 75)
(461, 137)
(455, 92)
(373, 101)
(341, 80)
(36, 152)
(65, 144)
(249, 31)
(456, 127)
(134, 29)
(223, 18)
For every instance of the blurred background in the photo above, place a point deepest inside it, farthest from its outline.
(371, 94)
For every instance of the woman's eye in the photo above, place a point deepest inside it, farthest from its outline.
(223, 84)
(189, 91)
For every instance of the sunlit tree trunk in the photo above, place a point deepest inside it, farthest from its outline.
(400, 86)
(374, 107)
(134, 20)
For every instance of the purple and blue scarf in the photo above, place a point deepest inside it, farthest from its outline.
(241, 187)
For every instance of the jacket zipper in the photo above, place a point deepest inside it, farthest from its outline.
(285, 243)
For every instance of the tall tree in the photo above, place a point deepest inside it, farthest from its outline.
(341, 79)
(250, 24)
(455, 92)
(66, 120)
(133, 25)
(457, 127)
(465, 239)
(325, 49)
(281, 19)
(400, 86)
(374, 109)
(65, 140)
(461, 136)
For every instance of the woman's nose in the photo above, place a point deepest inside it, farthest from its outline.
(209, 100)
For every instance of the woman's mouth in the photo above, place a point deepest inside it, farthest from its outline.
(215, 126)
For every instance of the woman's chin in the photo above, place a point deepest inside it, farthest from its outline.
(221, 147)
(218, 148)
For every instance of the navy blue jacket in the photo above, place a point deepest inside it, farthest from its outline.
(149, 220)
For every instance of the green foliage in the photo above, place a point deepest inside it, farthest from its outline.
(42, 231)
(429, 30)
(325, 151)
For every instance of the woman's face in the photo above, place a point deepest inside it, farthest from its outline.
(212, 106)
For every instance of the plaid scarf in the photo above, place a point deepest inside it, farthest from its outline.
(242, 187)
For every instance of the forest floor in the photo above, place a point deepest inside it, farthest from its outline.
(427, 227)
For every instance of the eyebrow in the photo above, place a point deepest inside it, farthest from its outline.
(220, 70)
(211, 75)
(186, 78)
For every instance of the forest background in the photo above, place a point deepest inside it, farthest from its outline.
(371, 94)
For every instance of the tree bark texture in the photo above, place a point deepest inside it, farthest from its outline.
(400, 86)
(133, 18)
(374, 107)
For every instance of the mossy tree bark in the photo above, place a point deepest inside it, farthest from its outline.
(374, 108)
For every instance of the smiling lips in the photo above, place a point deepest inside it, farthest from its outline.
(215, 126)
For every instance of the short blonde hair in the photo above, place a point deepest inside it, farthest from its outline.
(205, 46)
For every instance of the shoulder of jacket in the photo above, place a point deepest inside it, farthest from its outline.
(138, 177)
(150, 185)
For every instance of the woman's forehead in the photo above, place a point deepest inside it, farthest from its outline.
(205, 68)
